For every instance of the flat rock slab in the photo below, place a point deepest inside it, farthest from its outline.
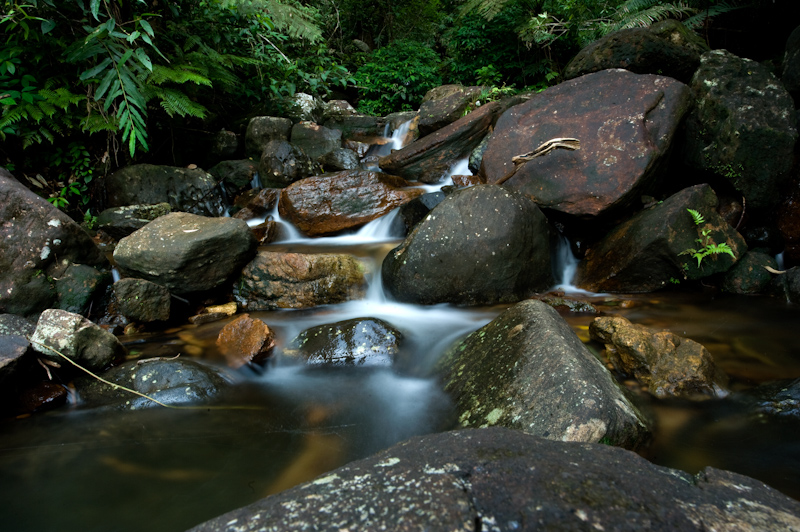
(499, 479)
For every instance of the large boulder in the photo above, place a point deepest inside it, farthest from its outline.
(625, 123)
(263, 129)
(528, 371)
(315, 140)
(186, 253)
(444, 105)
(667, 48)
(742, 127)
(482, 245)
(185, 189)
(237, 173)
(331, 203)
(750, 275)
(356, 342)
(119, 222)
(294, 280)
(283, 163)
(37, 244)
(429, 158)
(651, 248)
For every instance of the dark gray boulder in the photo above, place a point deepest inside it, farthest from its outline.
(444, 105)
(186, 253)
(237, 173)
(499, 479)
(16, 362)
(481, 245)
(742, 127)
(119, 222)
(356, 342)
(79, 286)
(315, 140)
(263, 129)
(142, 301)
(750, 274)
(528, 371)
(11, 324)
(339, 159)
(283, 163)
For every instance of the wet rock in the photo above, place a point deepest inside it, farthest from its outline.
(224, 144)
(304, 107)
(79, 286)
(16, 361)
(169, 381)
(742, 127)
(787, 285)
(237, 173)
(339, 159)
(119, 222)
(750, 275)
(528, 371)
(444, 105)
(357, 147)
(331, 203)
(245, 340)
(481, 245)
(417, 209)
(790, 75)
(267, 232)
(643, 253)
(37, 243)
(190, 190)
(570, 305)
(11, 324)
(625, 123)
(76, 338)
(294, 280)
(467, 180)
(315, 140)
(429, 158)
(667, 48)
(356, 128)
(779, 399)
(357, 342)
(669, 365)
(186, 253)
(476, 157)
(43, 396)
(338, 109)
(214, 313)
(263, 129)
(257, 203)
(142, 301)
(283, 163)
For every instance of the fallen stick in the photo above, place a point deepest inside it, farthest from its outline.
(545, 148)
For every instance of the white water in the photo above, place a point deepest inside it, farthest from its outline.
(565, 264)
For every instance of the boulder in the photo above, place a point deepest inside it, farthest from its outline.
(315, 140)
(224, 144)
(16, 361)
(666, 48)
(528, 371)
(779, 399)
(444, 105)
(339, 159)
(245, 340)
(294, 280)
(79, 286)
(356, 127)
(644, 252)
(356, 342)
(481, 246)
(283, 163)
(237, 173)
(625, 123)
(119, 222)
(37, 244)
(142, 301)
(256, 203)
(429, 158)
(331, 203)
(667, 364)
(742, 127)
(76, 338)
(790, 71)
(263, 129)
(186, 253)
(11, 324)
(417, 209)
(750, 274)
(304, 107)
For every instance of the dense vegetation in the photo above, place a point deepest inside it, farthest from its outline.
(89, 85)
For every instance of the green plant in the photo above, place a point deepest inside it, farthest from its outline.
(707, 245)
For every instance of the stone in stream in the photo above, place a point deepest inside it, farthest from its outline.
(315, 140)
(750, 274)
(263, 129)
(119, 222)
(79, 286)
(245, 340)
(527, 370)
(330, 203)
(282, 164)
(667, 364)
(186, 253)
(644, 252)
(625, 123)
(141, 300)
(444, 105)
(356, 342)
(482, 245)
(236, 173)
(743, 127)
(295, 280)
(339, 159)
(500, 479)
(11, 324)
(16, 363)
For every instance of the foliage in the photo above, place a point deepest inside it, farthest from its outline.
(707, 245)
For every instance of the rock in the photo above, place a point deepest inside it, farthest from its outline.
(11, 324)
(667, 48)
(790, 72)
(528, 371)
(214, 313)
(142, 301)
(16, 361)
(444, 105)
(749, 275)
(257, 203)
(789, 225)
(238, 173)
(331, 203)
(79, 286)
(643, 253)
(119, 222)
(263, 129)
(224, 144)
(357, 147)
(339, 159)
(169, 381)
(356, 342)
(417, 209)
(476, 157)
(625, 123)
(315, 140)
(742, 127)
(190, 190)
(294, 280)
(245, 340)
(304, 107)
(338, 109)
(787, 285)
(37, 243)
(186, 253)
(778, 399)
(44, 396)
(482, 245)
(355, 127)
(76, 338)
(283, 163)
(267, 232)
(569, 304)
(429, 158)
(667, 364)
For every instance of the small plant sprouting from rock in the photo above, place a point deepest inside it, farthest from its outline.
(707, 246)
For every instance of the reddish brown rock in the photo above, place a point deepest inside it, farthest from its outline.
(334, 202)
(467, 180)
(245, 340)
(444, 105)
(255, 204)
(43, 396)
(625, 124)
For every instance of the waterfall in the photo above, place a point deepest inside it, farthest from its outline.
(565, 264)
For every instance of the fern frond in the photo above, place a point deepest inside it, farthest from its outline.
(653, 14)
(96, 122)
(488, 9)
(293, 21)
(175, 102)
(696, 217)
(177, 74)
(702, 16)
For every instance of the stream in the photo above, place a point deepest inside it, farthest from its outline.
(167, 470)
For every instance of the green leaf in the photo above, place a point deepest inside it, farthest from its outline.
(94, 7)
(141, 55)
(111, 75)
(94, 71)
(47, 26)
(147, 27)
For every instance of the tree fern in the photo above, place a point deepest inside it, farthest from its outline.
(703, 15)
(175, 102)
(644, 13)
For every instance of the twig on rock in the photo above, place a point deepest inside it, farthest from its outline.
(545, 148)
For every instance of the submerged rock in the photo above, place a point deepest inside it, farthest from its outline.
(528, 371)
(357, 342)
(245, 340)
(779, 399)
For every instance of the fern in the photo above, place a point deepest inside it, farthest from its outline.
(183, 73)
(702, 16)
(42, 119)
(175, 102)
(696, 217)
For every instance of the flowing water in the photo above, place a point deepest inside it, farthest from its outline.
(166, 470)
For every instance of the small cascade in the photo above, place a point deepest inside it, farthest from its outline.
(779, 260)
(565, 264)
(255, 183)
(288, 231)
(396, 139)
(115, 275)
